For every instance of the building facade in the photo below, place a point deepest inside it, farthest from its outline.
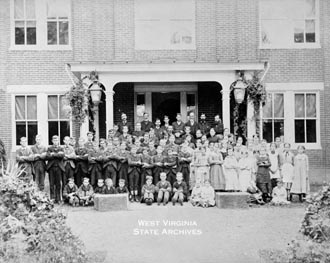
(164, 57)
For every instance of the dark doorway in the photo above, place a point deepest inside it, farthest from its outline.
(165, 103)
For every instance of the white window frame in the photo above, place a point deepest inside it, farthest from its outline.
(274, 118)
(42, 92)
(294, 45)
(289, 90)
(305, 118)
(26, 120)
(41, 30)
(58, 120)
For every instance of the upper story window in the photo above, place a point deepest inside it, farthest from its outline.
(289, 24)
(25, 22)
(164, 24)
(40, 24)
(58, 22)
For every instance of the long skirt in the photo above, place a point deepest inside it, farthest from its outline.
(287, 173)
(217, 177)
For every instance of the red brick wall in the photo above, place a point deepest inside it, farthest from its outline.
(226, 31)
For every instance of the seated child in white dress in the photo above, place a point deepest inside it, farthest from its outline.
(279, 194)
(207, 195)
(195, 197)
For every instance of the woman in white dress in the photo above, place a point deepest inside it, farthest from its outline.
(246, 170)
(231, 167)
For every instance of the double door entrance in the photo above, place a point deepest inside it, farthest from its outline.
(165, 99)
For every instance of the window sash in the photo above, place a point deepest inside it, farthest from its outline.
(305, 120)
(273, 14)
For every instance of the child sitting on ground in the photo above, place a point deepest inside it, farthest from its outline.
(100, 187)
(207, 195)
(163, 188)
(109, 188)
(70, 193)
(195, 197)
(279, 194)
(85, 193)
(148, 191)
(122, 189)
(180, 189)
(255, 194)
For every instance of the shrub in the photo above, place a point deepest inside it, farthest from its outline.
(31, 230)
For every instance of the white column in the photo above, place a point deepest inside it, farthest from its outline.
(84, 128)
(226, 106)
(109, 93)
(251, 120)
(96, 122)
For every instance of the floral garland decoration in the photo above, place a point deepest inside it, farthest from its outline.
(256, 92)
(76, 100)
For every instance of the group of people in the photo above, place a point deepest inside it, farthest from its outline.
(170, 162)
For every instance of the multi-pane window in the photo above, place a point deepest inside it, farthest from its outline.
(25, 22)
(165, 25)
(305, 118)
(140, 106)
(58, 122)
(191, 104)
(26, 118)
(273, 117)
(58, 22)
(288, 23)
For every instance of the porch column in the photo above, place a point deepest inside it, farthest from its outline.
(251, 120)
(109, 93)
(84, 128)
(226, 105)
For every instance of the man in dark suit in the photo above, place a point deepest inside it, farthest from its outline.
(146, 124)
(218, 125)
(124, 123)
(203, 125)
(178, 126)
(55, 168)
(39, 164)
(192, 124)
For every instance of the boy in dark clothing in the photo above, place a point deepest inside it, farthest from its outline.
(70, 195)
(122, 189)
(180, 189)
(100, 187)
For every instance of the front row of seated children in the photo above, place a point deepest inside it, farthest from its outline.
(85, 193)
(162, 191)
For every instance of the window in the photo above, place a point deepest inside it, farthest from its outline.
(305, 118)
(25, 22)
(191, 104)
(288, 23)
(273, 117)
(58, 22)
(164, 25)
(26, 118)
(58, 122)
(40, 24)
(140, 106)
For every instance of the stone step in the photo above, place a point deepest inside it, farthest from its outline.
(232, 200)
(110, 202)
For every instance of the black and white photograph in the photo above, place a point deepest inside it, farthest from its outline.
(168, 131)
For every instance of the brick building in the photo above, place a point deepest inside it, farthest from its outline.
(165, 56)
